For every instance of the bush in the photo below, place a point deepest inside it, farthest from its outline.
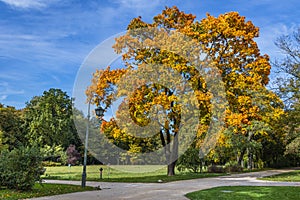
(20, 168)
(233, 167)
(190, 160)
(73, 155)
(215, 169)
(51, 164)
(54, 153)
(260, 164)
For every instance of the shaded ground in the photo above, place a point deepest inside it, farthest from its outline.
(165, 191)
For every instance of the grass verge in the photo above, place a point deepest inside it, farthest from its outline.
(121, 174)
(41, 190)
(247, 192)
(289, 177)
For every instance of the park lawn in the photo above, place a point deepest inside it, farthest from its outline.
(289, 177)
(40, 190)
(121, 173)
(247, 192)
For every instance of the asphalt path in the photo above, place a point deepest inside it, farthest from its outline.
(165, 191)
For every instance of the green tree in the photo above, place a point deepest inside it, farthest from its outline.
(12, 133)
(190, 160)
(49, 120)
(54, 154)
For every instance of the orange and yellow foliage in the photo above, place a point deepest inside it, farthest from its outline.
(228, 40)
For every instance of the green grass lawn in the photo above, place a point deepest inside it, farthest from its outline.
(120, 173)
(247, 192)
(41, 190)
(290, 177)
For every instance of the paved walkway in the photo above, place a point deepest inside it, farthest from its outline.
(165, 191)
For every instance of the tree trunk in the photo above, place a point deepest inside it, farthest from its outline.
(240, 158)
(171, 151)
(250, 156)
(174, 156)
(250, 159)
(171, 168)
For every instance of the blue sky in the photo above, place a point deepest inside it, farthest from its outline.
(44, 42)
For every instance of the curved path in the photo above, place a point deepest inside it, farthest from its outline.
(165, 191)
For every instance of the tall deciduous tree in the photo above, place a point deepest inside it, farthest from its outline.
(49, 119)
(288, 82)
(228, 42)
(12, 133)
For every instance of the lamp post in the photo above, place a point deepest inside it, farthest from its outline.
(99, 112)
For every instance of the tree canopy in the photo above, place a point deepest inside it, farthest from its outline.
(49, 119)
(288, 82)
(12, 132)
(163, 48)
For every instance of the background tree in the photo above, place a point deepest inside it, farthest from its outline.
(96, 147)
(54, 153)
(190, 160)
(12, 132)
(49, 120)
(288, 82)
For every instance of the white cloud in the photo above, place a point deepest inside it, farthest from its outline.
(3, 97)
(268, 36)
(5, 91)
(42, 50)
(28, 4)
(138, 3)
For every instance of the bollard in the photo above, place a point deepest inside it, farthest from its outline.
(101, 169)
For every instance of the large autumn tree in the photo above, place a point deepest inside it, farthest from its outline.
(226, 42)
